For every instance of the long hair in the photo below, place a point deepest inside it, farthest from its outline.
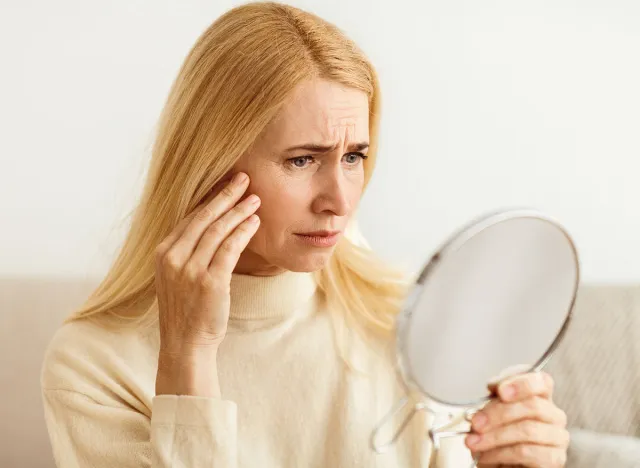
(230, 86)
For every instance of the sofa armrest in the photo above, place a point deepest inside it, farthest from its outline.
(590, 449)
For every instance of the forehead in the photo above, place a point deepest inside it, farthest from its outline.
(322, 111)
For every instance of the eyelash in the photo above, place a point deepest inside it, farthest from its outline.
(292, 160)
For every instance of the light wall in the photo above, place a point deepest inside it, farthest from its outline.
(486, 105)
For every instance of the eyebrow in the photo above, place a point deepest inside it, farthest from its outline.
(324, 148)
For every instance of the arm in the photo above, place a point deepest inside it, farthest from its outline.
(184, 431)
(190, 425)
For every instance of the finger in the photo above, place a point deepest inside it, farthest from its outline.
(184, 222)
(185, 244)
(529, 455)
(521, 432)
(173, 236)
(525, 386)
(509, 372)
(217, 232)
(497, 414)
(226, 257)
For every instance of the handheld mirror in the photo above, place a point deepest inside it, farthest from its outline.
(497, 295)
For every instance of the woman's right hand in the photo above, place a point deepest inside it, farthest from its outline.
(194, 265)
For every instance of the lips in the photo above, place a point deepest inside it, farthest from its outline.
(319, 239)
(319, 233)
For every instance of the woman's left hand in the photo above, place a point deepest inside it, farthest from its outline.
(521, 427)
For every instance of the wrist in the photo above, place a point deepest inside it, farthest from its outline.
(188, 373)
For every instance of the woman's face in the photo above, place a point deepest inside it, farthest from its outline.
(307, 168)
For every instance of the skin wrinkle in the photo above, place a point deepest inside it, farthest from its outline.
(321, 195)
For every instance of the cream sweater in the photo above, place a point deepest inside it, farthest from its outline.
(287, 398)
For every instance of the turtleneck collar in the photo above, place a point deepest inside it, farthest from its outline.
(268, 297)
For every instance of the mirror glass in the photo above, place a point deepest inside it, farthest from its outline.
(492, 298)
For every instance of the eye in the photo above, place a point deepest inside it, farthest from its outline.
(300, 161)
(354, 158)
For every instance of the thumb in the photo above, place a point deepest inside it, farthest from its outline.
(504, 374)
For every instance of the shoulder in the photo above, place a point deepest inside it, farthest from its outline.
(97, 360)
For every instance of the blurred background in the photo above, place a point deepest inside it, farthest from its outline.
(486, 105)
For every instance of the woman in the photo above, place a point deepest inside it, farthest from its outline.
(240, 325)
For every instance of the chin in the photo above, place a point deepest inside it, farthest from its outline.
(307, 262)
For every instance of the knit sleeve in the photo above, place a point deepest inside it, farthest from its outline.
(183, 431)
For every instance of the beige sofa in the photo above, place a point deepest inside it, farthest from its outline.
(597, 370)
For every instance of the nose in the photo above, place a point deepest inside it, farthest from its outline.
(332, 194)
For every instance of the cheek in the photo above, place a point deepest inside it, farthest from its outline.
(356, 187)
(282, 207)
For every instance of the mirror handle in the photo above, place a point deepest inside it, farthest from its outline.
(379, 447)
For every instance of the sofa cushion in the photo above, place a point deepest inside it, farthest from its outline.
(597, 366)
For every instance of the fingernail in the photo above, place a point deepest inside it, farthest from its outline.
(473, 439)
(479, 421)
(509, 392)
(239, 178)
(253, 199)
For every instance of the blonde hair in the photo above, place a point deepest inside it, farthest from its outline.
(230, 86)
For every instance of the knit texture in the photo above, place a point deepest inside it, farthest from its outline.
(288, 399)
